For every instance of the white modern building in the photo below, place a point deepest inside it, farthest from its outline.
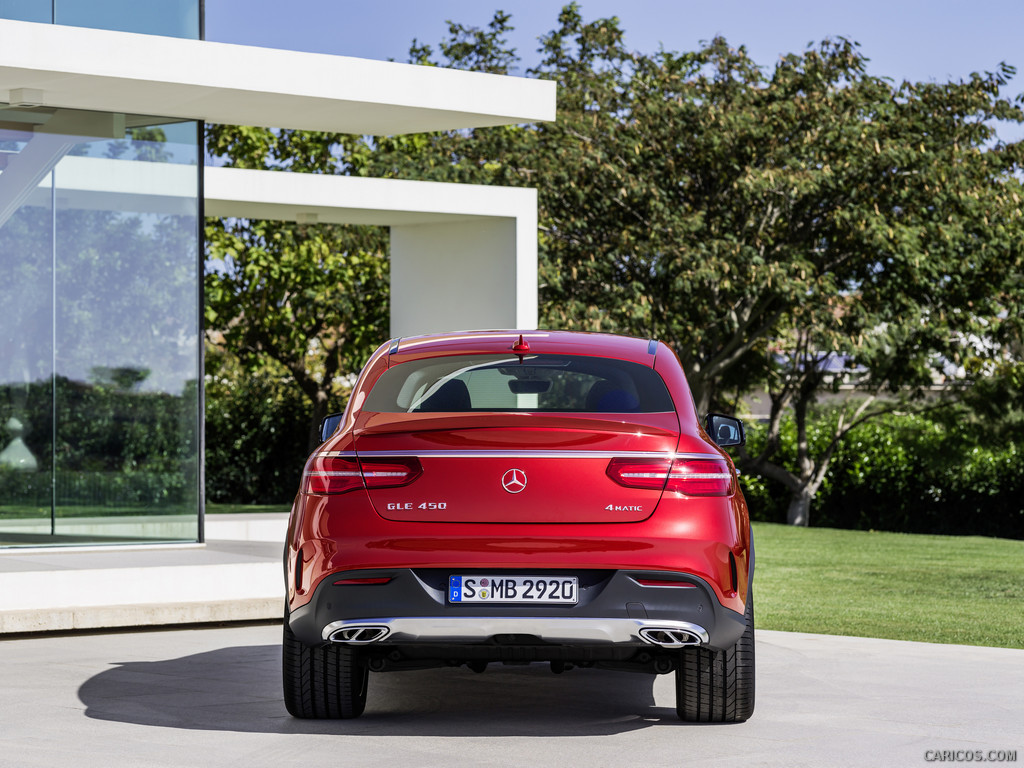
(102, 198)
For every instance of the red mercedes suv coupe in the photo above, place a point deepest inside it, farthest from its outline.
(497, 496)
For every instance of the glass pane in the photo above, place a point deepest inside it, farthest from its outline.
(26, 341)
(27, 10)
(101, 337)
(126, 338)
(174, 18)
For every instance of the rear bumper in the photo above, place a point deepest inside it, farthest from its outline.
(559, 630)
(614, 608)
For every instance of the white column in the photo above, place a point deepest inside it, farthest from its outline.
(466, 275)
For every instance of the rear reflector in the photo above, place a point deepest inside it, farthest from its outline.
(341, 474)
(664, 583)
(362, 582)
(691, 477)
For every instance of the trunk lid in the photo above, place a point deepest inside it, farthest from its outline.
(515, 467)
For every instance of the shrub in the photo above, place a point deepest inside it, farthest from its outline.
(913, 473)
(257, 433)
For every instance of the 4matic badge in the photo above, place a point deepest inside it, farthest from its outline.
(624, 508)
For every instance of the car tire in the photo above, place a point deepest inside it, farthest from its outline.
(322, 682)
(718, 686)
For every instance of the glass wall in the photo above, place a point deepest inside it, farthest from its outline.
(27, 10)
(174, 18)
(99, 328)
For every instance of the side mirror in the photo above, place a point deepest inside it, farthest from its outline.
(725, 430)
(329, 424)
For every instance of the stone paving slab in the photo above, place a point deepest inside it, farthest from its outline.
(235, 576)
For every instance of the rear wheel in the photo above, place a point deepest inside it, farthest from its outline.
(322, 682)
(718, 686)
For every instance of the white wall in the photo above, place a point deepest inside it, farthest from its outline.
(449, 277)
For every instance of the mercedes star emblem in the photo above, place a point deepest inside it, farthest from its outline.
(514, 481)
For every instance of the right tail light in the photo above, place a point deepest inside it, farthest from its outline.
(690, 477)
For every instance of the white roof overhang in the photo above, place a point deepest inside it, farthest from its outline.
(164, 188)
(307, 197)
(121, 72)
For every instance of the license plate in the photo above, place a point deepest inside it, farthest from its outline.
(513, 589)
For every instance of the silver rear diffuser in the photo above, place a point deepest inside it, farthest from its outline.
(478, 629)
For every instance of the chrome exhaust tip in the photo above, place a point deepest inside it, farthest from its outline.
(669, 637)
(359, 634)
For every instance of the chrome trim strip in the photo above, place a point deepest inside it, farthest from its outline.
(552, 629)
(652, 346)
(532, 454)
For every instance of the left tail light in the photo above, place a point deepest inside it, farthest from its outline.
(341, 474)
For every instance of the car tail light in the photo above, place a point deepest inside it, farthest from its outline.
(700, 477)
(341, 474)
(691, 477)
(640, 473)
(390, 473)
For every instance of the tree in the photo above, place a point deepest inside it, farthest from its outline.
(310, 298)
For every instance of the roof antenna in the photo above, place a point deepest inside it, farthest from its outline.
(521, 347)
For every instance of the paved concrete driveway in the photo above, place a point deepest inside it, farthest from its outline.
(210, 697)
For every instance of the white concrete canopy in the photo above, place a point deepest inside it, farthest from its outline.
(121, 72)
(462, 256)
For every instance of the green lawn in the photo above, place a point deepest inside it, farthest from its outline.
(937, 589)
(240, 509)
(12, 512)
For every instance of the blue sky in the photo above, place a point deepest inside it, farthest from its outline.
(905, 39)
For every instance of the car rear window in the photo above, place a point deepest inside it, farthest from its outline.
(551, 383)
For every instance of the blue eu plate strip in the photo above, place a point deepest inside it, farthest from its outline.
(455, 589)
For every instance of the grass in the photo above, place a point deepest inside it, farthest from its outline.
(244, 509)
(66, 511)
(12, 512)
(938, 589)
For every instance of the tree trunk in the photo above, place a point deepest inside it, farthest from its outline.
(700, 392)
(317, 416)
(799, 512)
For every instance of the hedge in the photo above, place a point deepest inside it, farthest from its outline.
(257, 434)
(910, 473)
